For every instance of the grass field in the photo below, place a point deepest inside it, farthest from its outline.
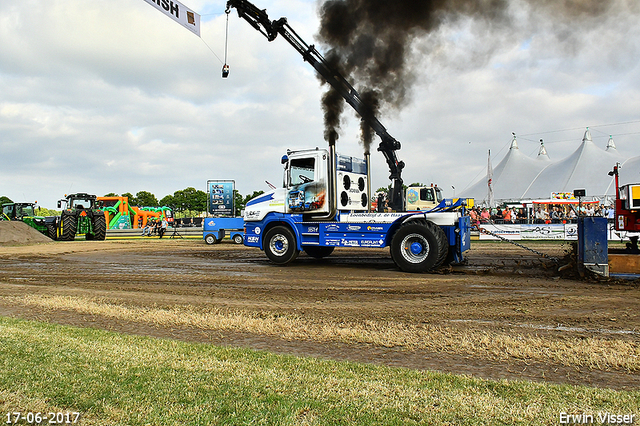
(114, 379)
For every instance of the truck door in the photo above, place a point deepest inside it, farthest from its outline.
(307, 183)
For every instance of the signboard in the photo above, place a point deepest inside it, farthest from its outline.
(220, 200)
(179, 13)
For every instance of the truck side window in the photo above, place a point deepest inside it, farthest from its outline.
(302, 170)
(426, 194)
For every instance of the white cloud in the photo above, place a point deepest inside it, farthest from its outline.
(114, 97)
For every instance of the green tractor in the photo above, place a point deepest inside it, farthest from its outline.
(25, 212)
(80, 215)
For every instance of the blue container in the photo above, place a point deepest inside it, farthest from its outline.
(592, 244)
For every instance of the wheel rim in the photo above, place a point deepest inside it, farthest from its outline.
(414, 248)
(279, 245)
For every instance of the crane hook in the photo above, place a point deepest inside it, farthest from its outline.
(225, 67)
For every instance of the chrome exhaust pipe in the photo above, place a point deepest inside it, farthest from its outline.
(367, 160)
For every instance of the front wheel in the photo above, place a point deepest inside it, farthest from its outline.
(210, 239)
(99, 225)
(67, 226)
(51, 231)
(280, 245)
(238, 239)
(418, 247)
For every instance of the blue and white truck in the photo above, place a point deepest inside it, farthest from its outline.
(325, 200)
(324, 204)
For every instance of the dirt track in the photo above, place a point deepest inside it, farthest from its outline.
(504, 291)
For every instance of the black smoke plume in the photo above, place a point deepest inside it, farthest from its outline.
(370, 41)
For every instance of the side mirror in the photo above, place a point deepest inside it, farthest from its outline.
(59, 204)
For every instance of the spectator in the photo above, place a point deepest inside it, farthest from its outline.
(163, 227)
(146, 231)
(473, 214)
(611, 213)
(506, 215)
(484, 215)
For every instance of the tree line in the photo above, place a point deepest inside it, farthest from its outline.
(184, 203)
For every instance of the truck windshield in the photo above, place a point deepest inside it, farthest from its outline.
(302, 170)
(438, 193)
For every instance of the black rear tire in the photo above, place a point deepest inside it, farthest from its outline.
(67, 226)
(418, 247)
(280, 245)
(318, 252)
(210, 239)
(99, 225)
(238, 239)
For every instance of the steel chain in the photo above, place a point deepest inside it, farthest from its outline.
(484, 231)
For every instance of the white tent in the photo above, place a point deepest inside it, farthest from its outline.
(511, 176)
(519, 177)
(630, 171)
(587, 168)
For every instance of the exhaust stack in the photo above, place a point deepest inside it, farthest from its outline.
(367, 160)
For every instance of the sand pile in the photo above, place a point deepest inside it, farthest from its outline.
(14, 232)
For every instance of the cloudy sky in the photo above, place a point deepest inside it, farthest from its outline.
(113, 96)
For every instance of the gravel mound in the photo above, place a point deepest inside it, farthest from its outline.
(14, 232)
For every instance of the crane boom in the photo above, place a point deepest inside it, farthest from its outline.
(388, 146)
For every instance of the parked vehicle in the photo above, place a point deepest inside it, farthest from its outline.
(216, 228)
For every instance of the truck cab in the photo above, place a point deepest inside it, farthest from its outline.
(423, 197)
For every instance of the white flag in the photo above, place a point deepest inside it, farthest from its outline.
(179, 13)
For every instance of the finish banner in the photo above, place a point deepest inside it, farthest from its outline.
(179, 13)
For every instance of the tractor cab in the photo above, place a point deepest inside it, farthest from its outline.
(16, 211)
(78, 201)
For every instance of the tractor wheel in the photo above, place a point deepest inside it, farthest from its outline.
(418, 247)
(210, 239)
(99, 225)
(238, 239)
(280, 245)
(318, 252)
(51, 231)
(67, 227)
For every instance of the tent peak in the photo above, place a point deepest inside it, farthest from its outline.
(542, 152)
(514, 142)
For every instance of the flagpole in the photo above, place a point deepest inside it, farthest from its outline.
(490, 181)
